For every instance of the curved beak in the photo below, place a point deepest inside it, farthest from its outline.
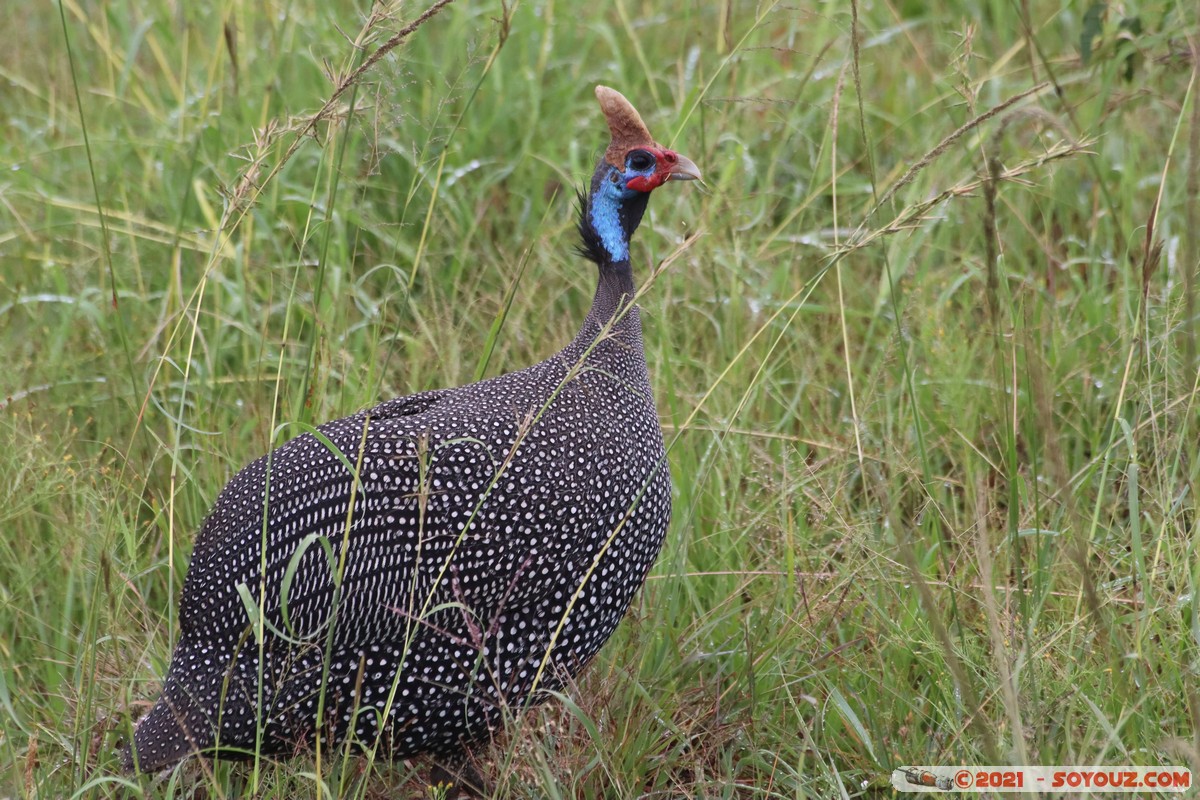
(683, 170)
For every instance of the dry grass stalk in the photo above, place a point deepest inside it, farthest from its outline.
(247, 187)
(949, 140)
(912, 216)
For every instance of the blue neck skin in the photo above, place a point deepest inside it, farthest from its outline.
(614, 210)
(604, 212)
(609, 218)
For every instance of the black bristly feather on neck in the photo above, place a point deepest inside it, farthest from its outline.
(590, 247)
(629, 212)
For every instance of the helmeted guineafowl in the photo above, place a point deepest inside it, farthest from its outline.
(463, 552)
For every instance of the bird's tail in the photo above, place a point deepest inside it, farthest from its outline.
(184, 720)
(164, 737)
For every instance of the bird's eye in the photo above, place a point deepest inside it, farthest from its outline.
(640, 160)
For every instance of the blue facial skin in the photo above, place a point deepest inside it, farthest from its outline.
(605, 208)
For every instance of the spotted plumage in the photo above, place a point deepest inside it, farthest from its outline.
(434, 564)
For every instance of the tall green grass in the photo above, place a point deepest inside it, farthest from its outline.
(929, 369)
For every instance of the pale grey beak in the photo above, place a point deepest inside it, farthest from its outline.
(683, 170)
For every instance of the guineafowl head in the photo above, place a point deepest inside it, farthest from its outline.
(633, 166)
